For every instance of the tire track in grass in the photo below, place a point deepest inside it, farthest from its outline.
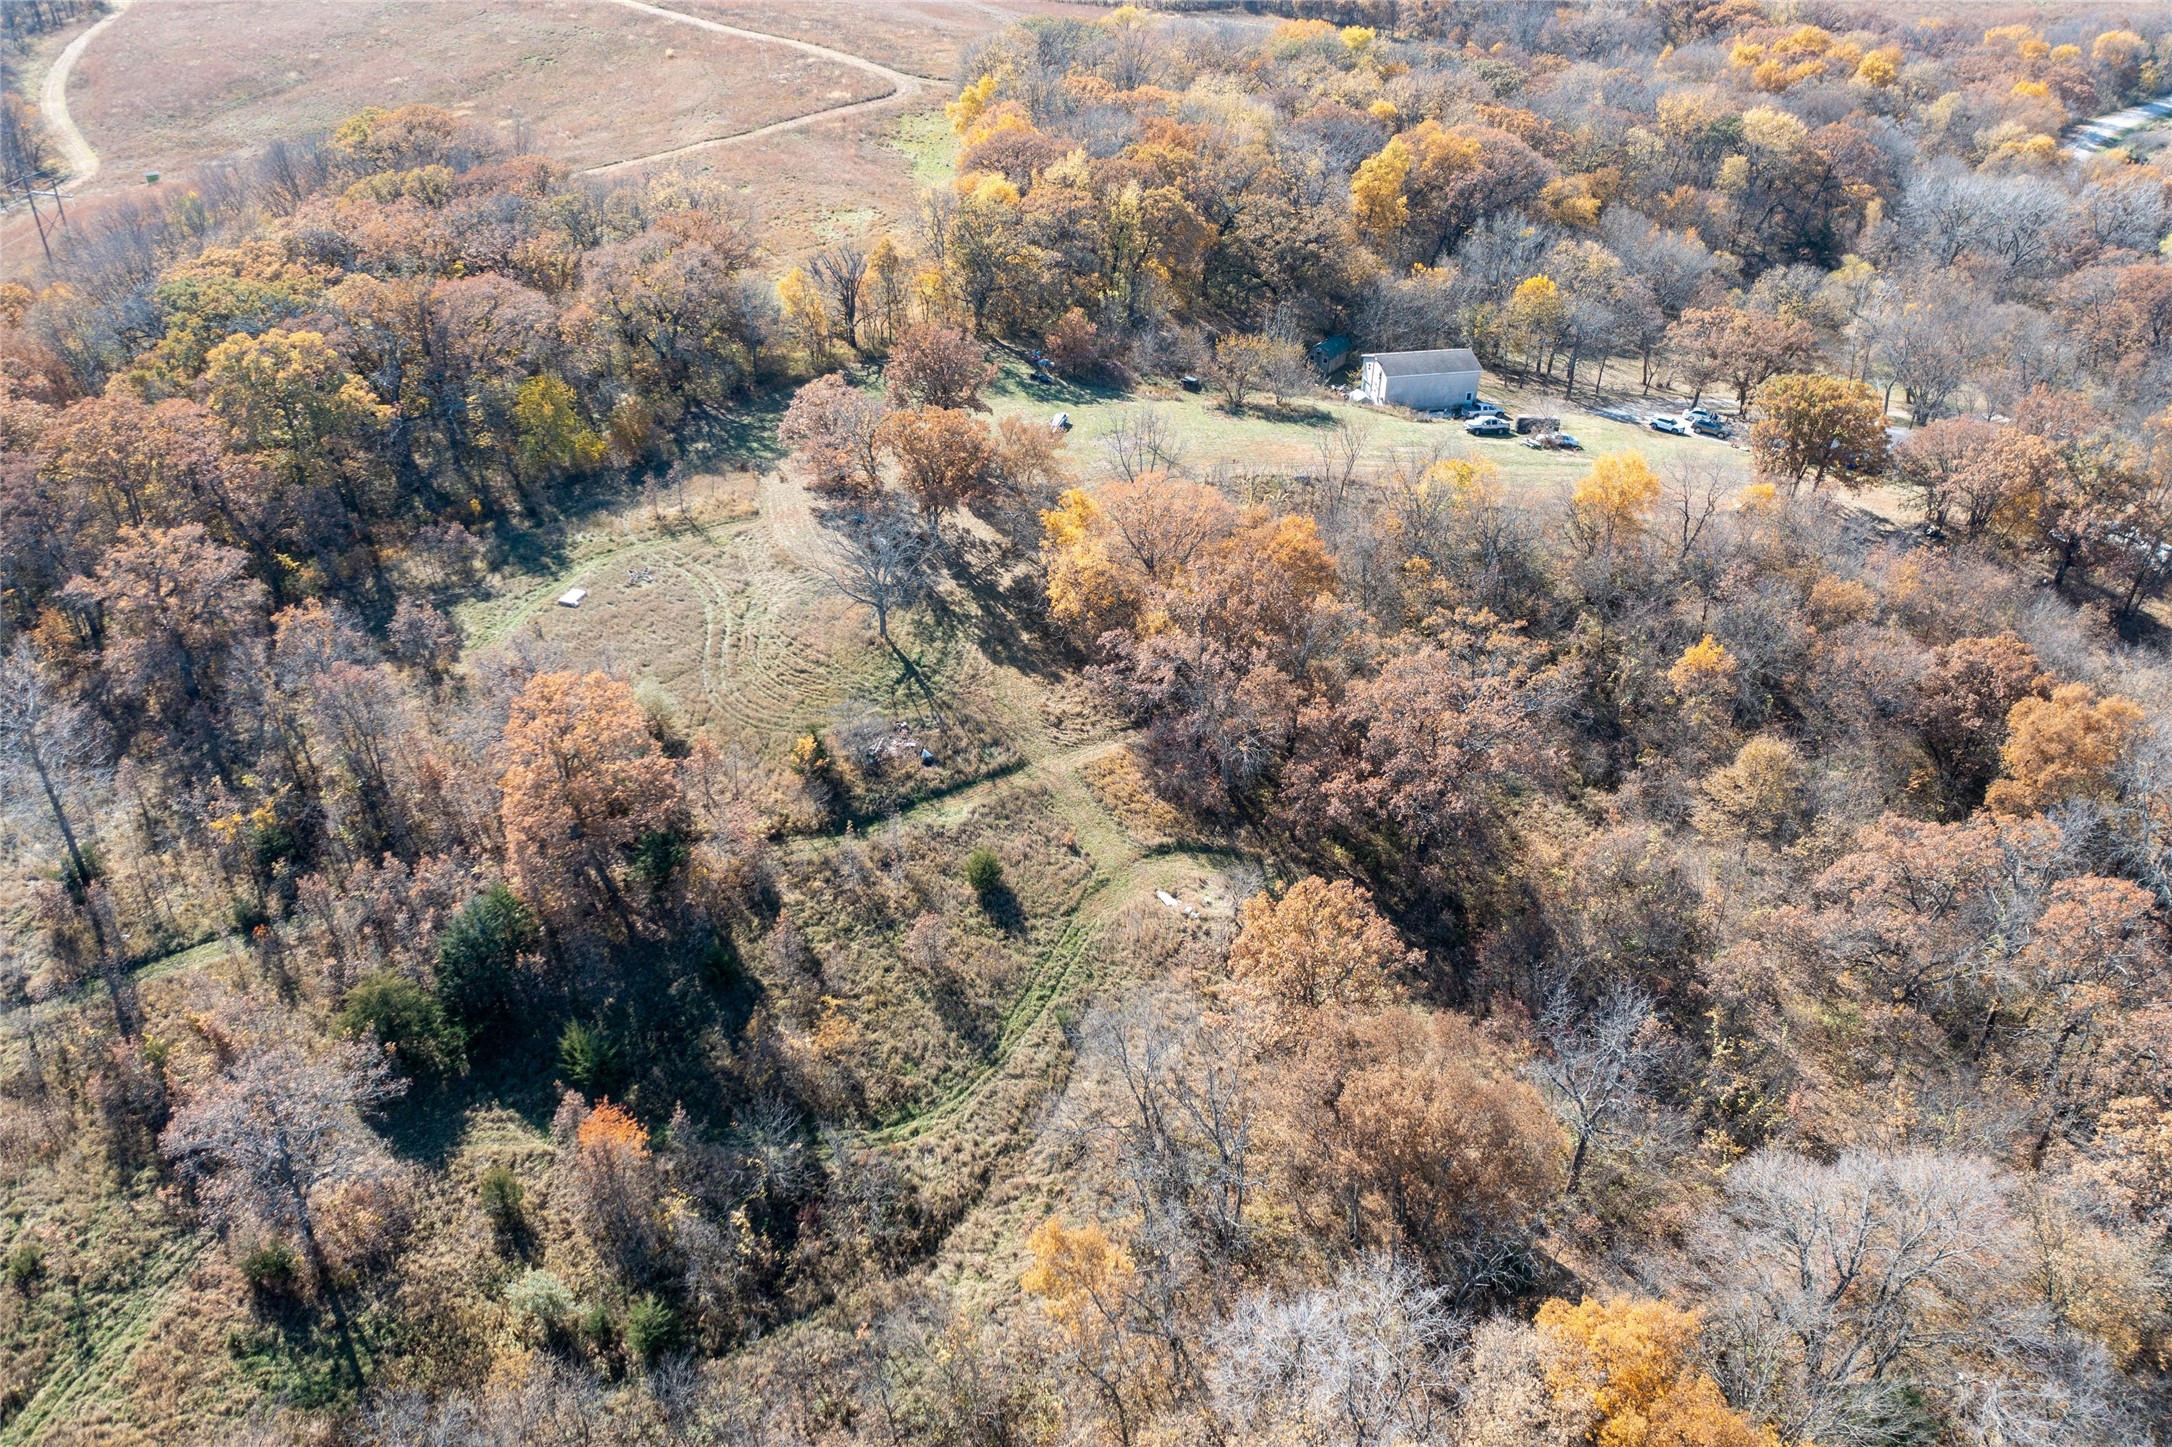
(904, 86)
(83, 161)
(114, 1339)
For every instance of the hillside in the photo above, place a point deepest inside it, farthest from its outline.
(785, 763)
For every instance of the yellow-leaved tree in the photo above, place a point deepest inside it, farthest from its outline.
(1536, 313)
(1613, 500)
(1085, 1282)
(1628, 1367)
(806, 313)
(1377, 202)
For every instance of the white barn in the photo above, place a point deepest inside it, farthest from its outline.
(1435, 381)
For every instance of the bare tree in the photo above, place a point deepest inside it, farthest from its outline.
(1338, 463)
(43, 740)
(1182, 1128)
(1692, 495)
(276, 1127)
(839, 271)
(1142, 441)
(1594, 1063)
(1364, 1361)
(1836, 1285)
(881, 561)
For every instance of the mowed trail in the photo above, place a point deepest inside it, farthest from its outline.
(903, 86)
(82, 157)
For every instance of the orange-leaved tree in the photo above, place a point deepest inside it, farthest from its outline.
(1322, 943)
(2063, 747)
(585, 784)
(943, 454)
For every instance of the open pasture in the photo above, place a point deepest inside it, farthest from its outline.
(588, 82)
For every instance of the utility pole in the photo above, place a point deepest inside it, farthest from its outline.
(31, 194)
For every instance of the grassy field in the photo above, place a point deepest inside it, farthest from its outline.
(1262, 441)
(171, 84)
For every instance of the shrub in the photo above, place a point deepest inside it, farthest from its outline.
(271, 1267)
(477, 955)
(652, 1329)
(586, 1056)
(503, 1197)
(599, 1327)
(25, 1264)
(983, 871)
(403, 1016)
(658, 858)
(540, 1302)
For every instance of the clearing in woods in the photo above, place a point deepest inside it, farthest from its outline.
(730, 617)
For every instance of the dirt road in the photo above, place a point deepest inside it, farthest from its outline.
(82, 158)
(903, 86)
(53, 102)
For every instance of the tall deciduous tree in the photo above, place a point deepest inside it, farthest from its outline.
(881, 562)
(833, 428)
(1811, 426)
(934, 365)
(585, 783)
(1320, 944)
(273, 1131)
(178, 621)
(943, 454)
(44, 740)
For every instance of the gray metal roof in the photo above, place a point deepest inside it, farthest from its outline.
(1425, 364)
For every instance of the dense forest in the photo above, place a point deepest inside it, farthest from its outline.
(1696, 969)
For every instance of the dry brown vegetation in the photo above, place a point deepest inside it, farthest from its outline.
(1229, 921)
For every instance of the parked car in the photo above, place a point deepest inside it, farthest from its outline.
(1484, 409)
(1668, 422)
(1490, 427)
(1710, 426)
(1701, 413)
(1554, 442)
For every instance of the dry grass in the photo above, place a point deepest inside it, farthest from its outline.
(924, 37)
(172, 84)
(1120, 787)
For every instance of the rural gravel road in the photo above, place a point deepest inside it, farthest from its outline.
(82, 158)
(53, 102)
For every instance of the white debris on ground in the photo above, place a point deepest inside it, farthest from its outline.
(1176, 904)
(572, 597)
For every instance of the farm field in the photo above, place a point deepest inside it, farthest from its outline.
(589, 82)
(925, 37)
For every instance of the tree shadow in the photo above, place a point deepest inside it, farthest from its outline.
(999, 902)
(1292, 414)
(1007, 618)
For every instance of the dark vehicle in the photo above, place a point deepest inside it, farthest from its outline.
(1709, 426)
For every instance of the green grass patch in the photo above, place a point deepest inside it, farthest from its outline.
(925, 138)
(1261, 440)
